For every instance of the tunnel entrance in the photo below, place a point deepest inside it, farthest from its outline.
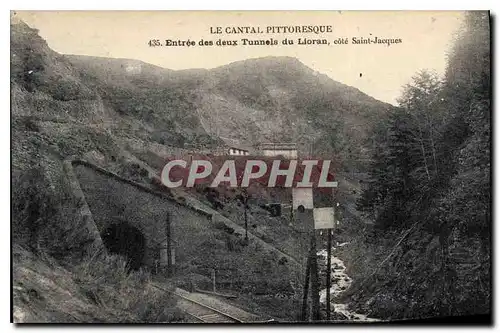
(126, 240)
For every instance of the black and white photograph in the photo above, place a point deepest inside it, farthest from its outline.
(251, 167)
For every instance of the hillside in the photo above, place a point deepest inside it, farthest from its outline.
(127, 116)
(282, 99)
(130, 102)
(246, 102)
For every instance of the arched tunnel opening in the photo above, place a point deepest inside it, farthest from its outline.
(126, 240)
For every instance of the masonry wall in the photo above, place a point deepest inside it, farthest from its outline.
(286, 153)
(110, 199)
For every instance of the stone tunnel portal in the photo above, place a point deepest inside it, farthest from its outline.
(123, 239)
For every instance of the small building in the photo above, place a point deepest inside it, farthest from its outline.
(287, 150)
(233, 151)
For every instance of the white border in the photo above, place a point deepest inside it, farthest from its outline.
(255, 5)
(191, 5)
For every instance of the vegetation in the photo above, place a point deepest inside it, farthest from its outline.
(56, 280)
(431, 189)
(40, 212)
(99, 289)
(305, 107)
(429, 194)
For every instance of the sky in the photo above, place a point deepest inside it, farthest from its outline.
(378, 70)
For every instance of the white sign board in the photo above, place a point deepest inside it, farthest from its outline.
(324, 218)
(302, 197)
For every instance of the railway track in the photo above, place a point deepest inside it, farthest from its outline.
(201, 312)
(204, 313)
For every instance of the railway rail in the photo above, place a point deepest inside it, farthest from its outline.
(204, 313)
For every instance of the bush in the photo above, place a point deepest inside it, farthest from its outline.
(222, 226)
(282, 261)
(181, 199)
(67, 89)
(30, 124)
(106, 279)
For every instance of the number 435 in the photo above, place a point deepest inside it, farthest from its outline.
(154, 42)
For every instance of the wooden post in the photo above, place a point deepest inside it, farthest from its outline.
(329, 254)
(213, 280)
(245, 203)
(328, 271)
(169, 247)
(305, 295)
(246, 223)
(314, 279)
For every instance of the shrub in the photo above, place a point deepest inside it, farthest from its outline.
(283, 261)
(106, 279)
(181, 199)
(30, 124)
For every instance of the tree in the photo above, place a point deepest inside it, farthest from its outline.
(406, 161)
(432, 170)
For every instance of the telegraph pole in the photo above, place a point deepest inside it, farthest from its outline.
(328, 272)
(245, 203)
(314, 279)
(246, 223)
(305, 294)
(315, 285)
(311, 268)
(213, 280)
(329, 257)
(169, 246)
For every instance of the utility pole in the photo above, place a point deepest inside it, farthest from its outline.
(329, 257)
(213, 280)
(314, 279)
(169, 246)
(328, 272)
(311, 270)
(246, 223)
(305, 293)
(245, 203)
(312, 276)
